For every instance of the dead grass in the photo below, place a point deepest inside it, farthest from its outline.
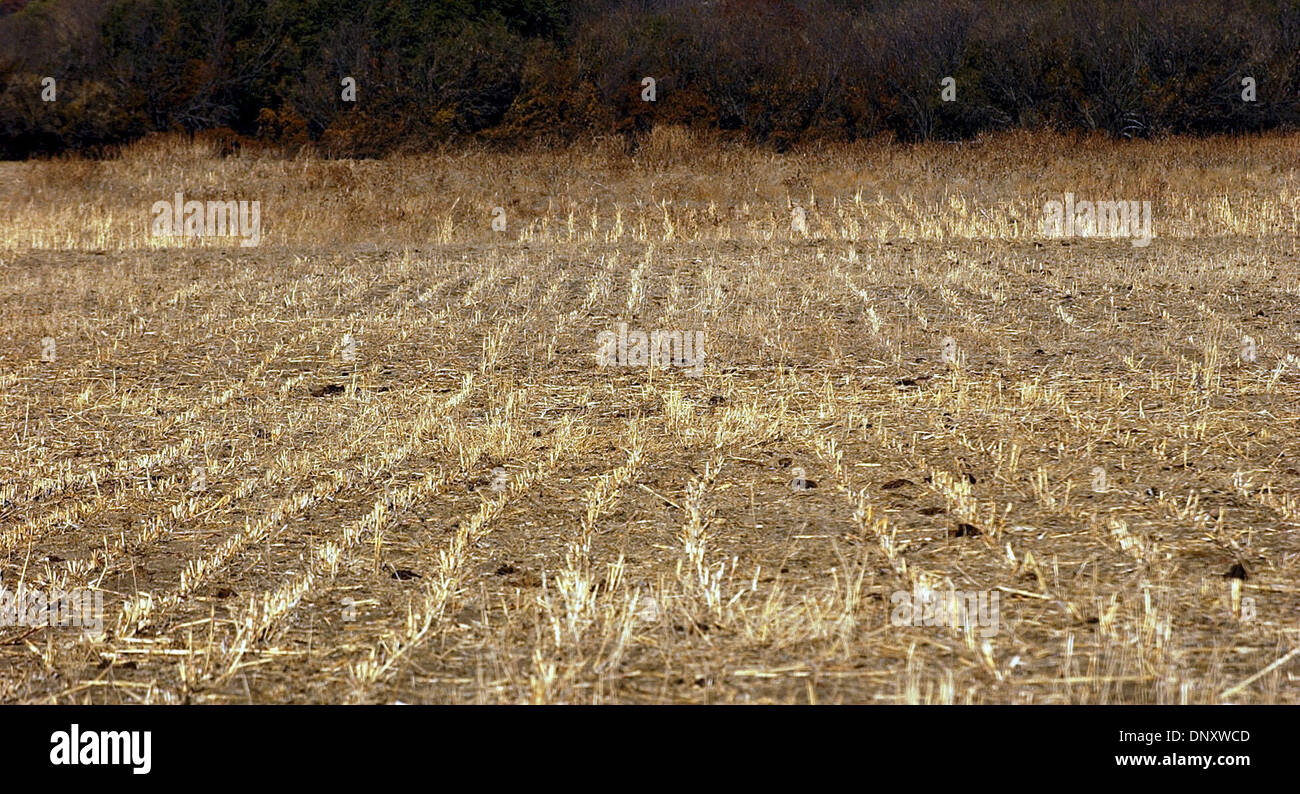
(348, 540)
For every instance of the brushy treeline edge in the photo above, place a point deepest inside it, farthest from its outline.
(777, 72)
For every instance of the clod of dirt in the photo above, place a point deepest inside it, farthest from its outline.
(506, 569)
(224, 592)
(892, 484)
(966, 531)
(328, 390)
(717, 399)
(1237, 571)
(784, 462)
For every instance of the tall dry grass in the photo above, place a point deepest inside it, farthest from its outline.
(675, 185)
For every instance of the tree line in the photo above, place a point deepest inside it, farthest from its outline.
(775, 72)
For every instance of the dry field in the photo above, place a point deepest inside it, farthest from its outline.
(469, 509)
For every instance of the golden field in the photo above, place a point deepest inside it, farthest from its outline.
(463, 506)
